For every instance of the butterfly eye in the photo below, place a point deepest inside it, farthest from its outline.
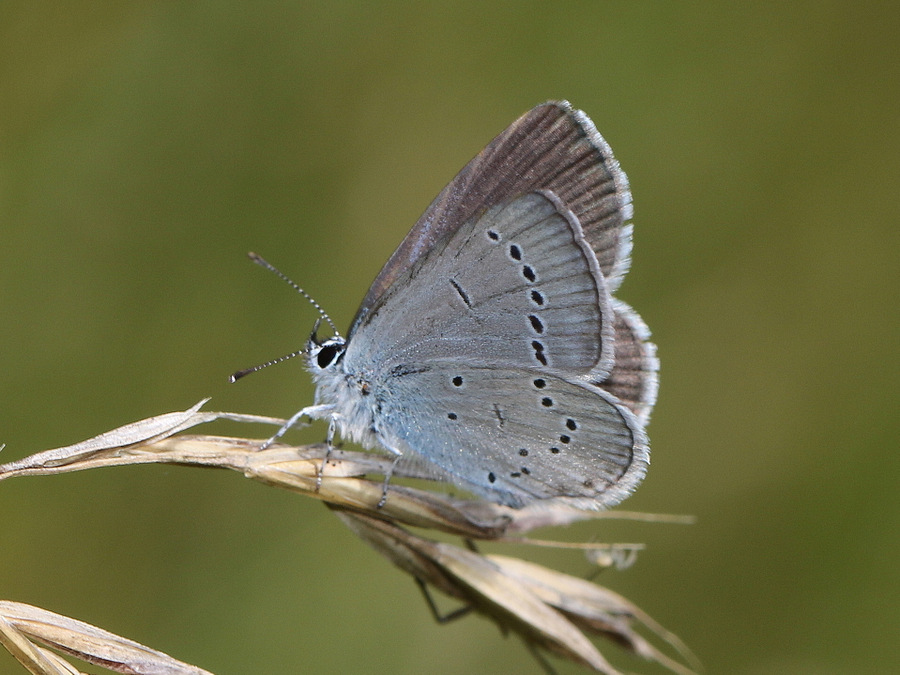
(327, 355)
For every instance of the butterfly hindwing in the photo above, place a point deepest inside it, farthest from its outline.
(514, 435)
(633, 378)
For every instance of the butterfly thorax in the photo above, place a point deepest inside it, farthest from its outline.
(348, 394)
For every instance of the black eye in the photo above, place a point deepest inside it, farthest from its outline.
(326, 356)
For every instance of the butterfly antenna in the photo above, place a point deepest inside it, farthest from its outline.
(262, 262)
(234, 377)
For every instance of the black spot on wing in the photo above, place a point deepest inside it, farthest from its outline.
(461, 292)
(405, 369)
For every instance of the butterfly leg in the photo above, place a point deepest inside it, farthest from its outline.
(387, 480)
(313, 411)
(329, 441)
(441, 618)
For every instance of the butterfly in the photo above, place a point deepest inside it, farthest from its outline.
(490, 348)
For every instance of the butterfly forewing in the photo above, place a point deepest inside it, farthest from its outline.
(551, 147)
(515, 287)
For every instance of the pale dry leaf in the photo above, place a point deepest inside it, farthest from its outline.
(545, 608)
(35, 659)
(26, 623)
(144, 431)
(595, 608)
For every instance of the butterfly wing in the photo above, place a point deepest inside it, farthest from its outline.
(516, 287)
(633, 378)
(514, 435)
(551, 147)
(480, 346)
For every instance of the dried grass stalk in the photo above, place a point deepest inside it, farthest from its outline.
(548, 609)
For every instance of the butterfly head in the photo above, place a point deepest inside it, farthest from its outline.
(324, 354)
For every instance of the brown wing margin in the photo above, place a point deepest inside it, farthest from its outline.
(634, 376)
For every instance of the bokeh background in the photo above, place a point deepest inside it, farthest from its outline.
(145, 147)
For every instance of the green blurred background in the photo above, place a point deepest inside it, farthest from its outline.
(145, 147)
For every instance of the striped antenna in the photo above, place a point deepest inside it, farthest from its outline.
(262, 262)
(234, 377)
